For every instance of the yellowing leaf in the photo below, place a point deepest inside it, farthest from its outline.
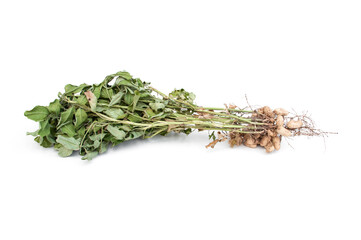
(92, 99)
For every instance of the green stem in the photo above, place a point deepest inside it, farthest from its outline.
(229, 109)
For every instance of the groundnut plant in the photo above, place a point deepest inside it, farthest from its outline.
(90, 118)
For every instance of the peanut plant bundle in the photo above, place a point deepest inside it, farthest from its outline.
(89, 118)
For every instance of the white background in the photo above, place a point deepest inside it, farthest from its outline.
(301, 55)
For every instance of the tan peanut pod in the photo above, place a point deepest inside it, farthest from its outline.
(271, 133)
(280, 111)
(279, 121)
(284, 132)
(239, 140)
(264, 141)
(232, 142)
(268, 112)
(260, 110)
(269, 147)
(250, 141)
(276, 142)
(294, 124)
(251, 145)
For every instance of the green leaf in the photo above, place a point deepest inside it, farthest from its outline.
(66, 116)
(44, 129)
(125, 128)
(128, 98)
(54, 107)
(36, 133)
(212, 136)
(118, 134)
(116, 98)
(123, 82)
(45, 142)
(82, 100)
(81, 131)
(68, 129)
(96, 144)
(124, 75)
(103, 147)
(80, 117)
(72, 89)
(97, 90)
(100, 109)
(104, 101)
(134, 135)
(90, 155)
(183, 95)
(135, 99)
(68, 142)
(51, 139)
(115, 113)
(64, 152)
(97, 137)
(106, 93)
(156, 105)
(38, 113)
(149, 112)
(134, 118)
